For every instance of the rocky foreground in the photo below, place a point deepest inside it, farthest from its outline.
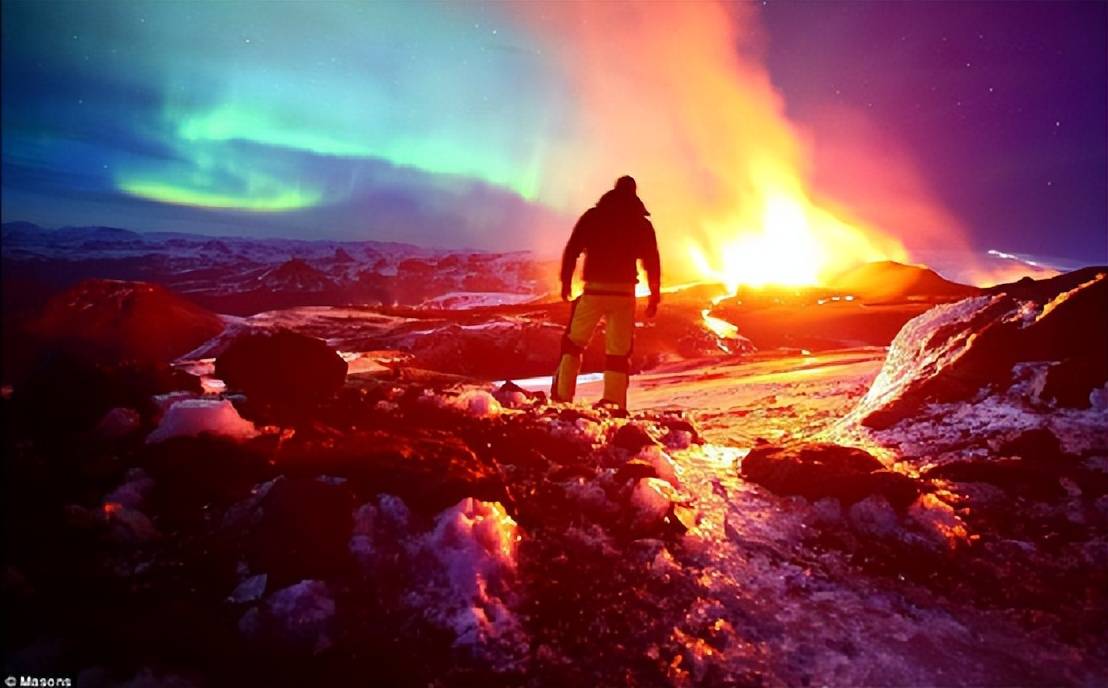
(310, 525)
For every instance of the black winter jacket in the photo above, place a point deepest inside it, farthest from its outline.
(613, 235)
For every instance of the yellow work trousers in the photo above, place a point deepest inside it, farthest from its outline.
(616, 304)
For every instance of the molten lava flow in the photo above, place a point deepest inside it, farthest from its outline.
(722, 329)
(718, 326)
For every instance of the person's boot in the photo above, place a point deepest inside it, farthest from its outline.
(563, 386)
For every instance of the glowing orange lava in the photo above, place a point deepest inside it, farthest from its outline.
(786, 240)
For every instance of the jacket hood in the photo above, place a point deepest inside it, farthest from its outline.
(617, 200)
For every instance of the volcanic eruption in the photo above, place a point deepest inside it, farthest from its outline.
(684, 101)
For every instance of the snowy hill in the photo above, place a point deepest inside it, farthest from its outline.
(246, 275)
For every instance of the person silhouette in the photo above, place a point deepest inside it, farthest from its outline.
(614, 235)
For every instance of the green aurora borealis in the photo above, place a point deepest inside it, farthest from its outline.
(273, 107)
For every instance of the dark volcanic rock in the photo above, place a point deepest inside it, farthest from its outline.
(814, 471)
(498, 348)
(1069, 382)
(64, 391)
(193, 474)
(282, 369)
(429, 471)
(1039, 444)
(416, 266)
(1013, 475)
(302, 530)
(110, 320)
(631, 437)
(512, 395)
(1031, 464)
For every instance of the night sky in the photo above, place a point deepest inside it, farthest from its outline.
(1002, 105)
(453, 125)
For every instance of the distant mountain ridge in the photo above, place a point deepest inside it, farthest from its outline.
(888, 280)
(243, 275)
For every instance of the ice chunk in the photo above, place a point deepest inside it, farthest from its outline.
(303, 614)
(393, 512)
(464, 300)
(874, 516)
(588, 494)
(119, 422)
(678, 439)
(192, 417)
(475, 544)
(476, 402)
(482, 404)
(165, 401)
(382, 528)
(249, 590)
(361, 541)
(365, 517)
(128, 526)
(134, 491)
(938, 520)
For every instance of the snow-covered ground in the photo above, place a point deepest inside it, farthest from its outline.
(464, 300)
(417, 528)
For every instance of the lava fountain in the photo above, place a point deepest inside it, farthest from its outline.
(786, 240)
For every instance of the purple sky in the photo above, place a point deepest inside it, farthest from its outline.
(1002, 105)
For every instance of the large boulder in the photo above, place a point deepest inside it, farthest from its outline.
(282, 369)
(818, 470)
(952, 351)
(110, 320)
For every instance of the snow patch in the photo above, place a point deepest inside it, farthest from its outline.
(938, 520)
(478, 403)
(474, 545)
(134, 491)
(249, 590)
(537, 384)
(301, 615)
(192, 417)
(464, 300)
(913, 352)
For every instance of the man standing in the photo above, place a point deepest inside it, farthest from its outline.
(614, 234)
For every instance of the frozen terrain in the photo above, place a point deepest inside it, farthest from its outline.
(246, 275)
(895, 488)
